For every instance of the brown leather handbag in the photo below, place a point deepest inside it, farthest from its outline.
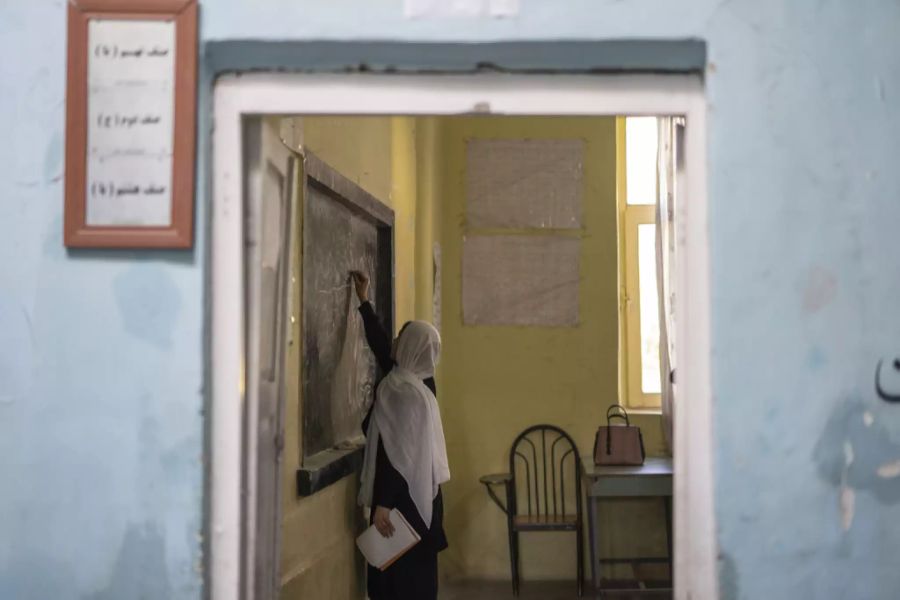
(618, 444)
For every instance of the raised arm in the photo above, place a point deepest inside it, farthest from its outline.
(378, 339)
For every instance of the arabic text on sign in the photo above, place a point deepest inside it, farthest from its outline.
(130, 122)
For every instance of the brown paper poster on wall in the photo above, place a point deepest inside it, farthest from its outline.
(521, 280)
(519, 183)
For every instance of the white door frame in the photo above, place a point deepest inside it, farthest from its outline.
(599, 95)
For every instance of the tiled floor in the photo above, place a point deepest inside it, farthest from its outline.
(562, 590)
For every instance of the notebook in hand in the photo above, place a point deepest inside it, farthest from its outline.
(380, 551)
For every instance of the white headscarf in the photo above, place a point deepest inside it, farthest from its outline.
(407, 420)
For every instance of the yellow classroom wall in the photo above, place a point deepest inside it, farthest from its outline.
(318, 554)
(496, 381)
(493, 381)
(403, 200)
(428, 213)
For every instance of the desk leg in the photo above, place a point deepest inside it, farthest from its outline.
(592, 525)
(668, 504)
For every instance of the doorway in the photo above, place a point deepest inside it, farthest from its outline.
(235, 477)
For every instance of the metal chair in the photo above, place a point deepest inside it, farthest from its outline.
(544, 465)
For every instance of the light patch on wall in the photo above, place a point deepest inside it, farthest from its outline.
(848, 494)
(425, 9)
(848, 507)
(868, 419)
(848, 454)
(889, 470)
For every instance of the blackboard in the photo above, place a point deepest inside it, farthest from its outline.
(344, 228)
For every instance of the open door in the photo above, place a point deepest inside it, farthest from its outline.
(269, 203)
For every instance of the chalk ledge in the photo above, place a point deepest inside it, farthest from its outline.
(329, 466)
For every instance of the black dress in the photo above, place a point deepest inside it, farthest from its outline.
(415, 575)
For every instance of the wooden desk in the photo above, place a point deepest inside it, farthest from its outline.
(652, 479)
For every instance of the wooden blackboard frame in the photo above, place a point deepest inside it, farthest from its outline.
(179, 233)
(320, 470)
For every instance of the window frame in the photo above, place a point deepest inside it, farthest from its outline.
(630, 216)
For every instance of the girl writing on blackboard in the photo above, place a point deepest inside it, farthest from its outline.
(406, 457)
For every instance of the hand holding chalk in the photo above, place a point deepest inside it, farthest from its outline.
(361, 280)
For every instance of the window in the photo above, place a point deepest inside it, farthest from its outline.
(637, 140)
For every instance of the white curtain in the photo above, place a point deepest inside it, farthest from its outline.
(670, 180)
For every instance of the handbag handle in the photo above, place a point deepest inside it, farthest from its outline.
(621, 414)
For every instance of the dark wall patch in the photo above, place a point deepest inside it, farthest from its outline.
(728, 578)
(140, 570)
(852, 426)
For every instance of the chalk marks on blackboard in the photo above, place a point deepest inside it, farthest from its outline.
(334, 290)
(338, 369)
(351, 372)
(883, 392)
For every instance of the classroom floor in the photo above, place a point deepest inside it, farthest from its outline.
(555, 590)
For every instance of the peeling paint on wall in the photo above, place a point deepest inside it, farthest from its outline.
(889, 470)
(854, 457)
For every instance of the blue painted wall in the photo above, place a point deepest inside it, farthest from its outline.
(101, 355)
(101, 369)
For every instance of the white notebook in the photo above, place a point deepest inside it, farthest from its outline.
(380, 551)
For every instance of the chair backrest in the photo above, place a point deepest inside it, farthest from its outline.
(546, 471)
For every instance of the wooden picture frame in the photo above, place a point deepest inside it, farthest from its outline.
(118, 227)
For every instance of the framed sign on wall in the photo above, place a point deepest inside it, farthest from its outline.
(130, 123)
